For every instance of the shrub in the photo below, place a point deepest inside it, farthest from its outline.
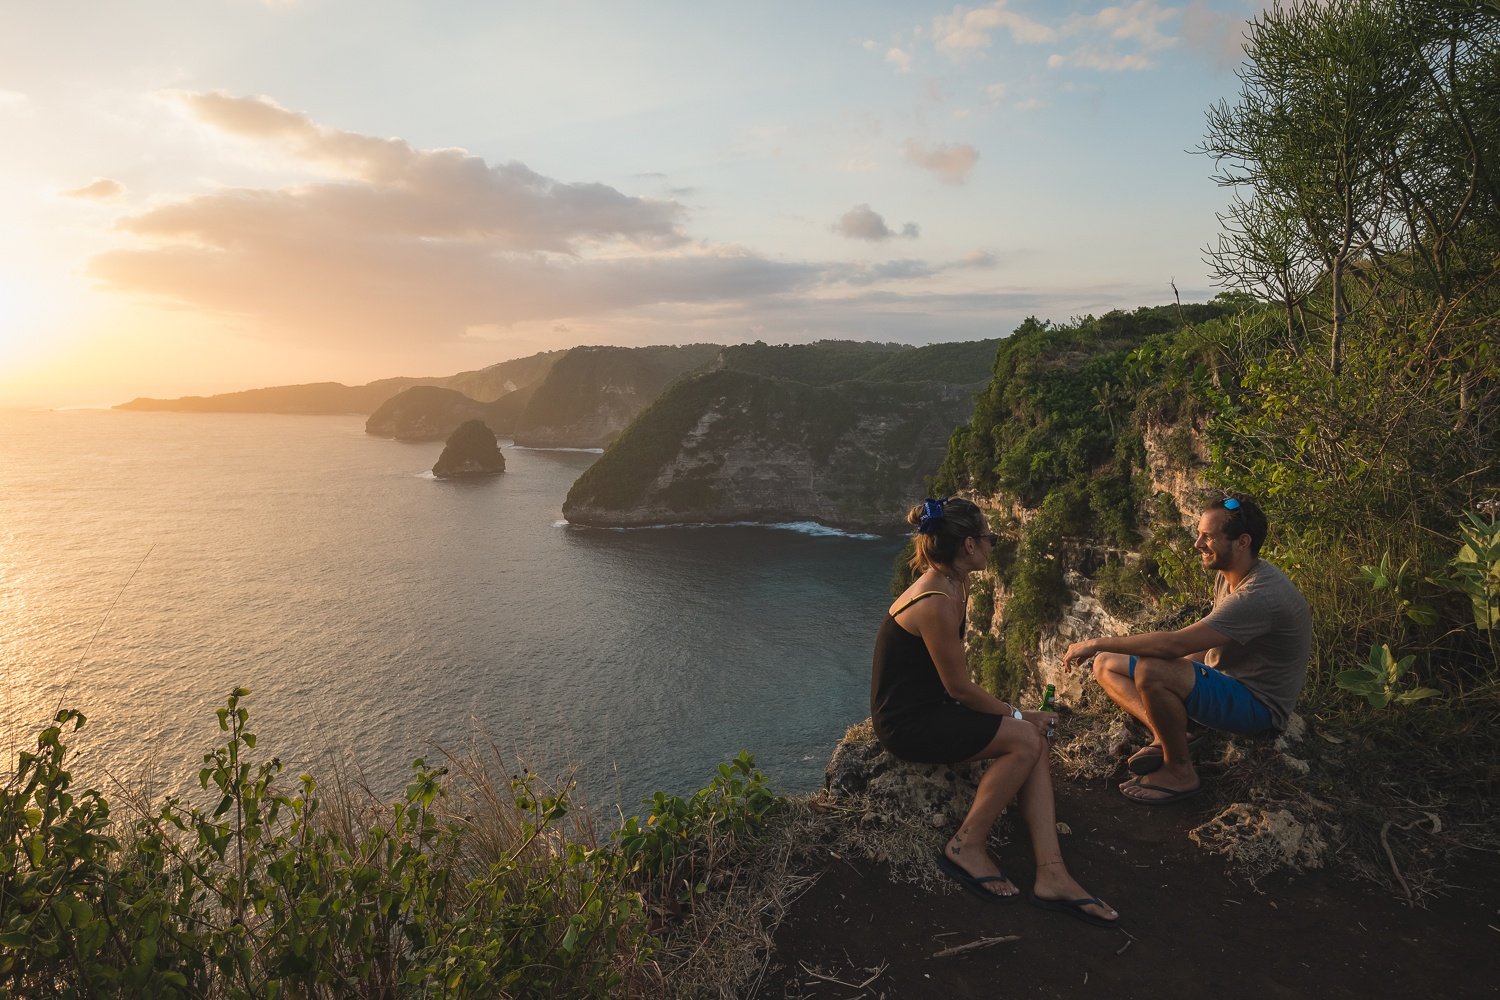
(262, 895)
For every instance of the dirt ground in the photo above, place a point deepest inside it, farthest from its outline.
(1187, 928)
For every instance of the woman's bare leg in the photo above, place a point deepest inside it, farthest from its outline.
(1015, 750)
(1038, 808)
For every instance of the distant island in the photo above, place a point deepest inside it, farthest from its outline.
(329, 398)
(582, 397)
(471, 451)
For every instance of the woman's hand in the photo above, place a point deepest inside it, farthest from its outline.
(1078, 652)
(1045, 721)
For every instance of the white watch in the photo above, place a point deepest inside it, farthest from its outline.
(1015, 713)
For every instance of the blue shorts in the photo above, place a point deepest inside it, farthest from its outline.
(1218, 701)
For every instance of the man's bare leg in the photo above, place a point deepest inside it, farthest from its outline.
(1163, 687)
(1112, 671)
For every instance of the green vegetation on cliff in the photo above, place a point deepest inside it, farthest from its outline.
(822, 363)
(1056, 430)
(862, 445)
(586, 380)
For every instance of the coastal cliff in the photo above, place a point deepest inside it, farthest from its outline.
(745, 443)
(593, 393)
(1089, 466)
(431, 413)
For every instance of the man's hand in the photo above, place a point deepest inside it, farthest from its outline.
(1079, 652)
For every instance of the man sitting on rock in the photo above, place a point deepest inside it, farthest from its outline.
(1257, 640)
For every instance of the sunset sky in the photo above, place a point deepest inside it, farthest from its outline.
(208, 195)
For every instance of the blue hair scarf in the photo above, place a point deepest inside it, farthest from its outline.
(932, 513)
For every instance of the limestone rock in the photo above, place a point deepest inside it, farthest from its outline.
(471, 451)
(1296, 729)
(889, 788)
(1262, 840)
(1176, 455)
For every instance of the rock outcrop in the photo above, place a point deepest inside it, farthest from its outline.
(471, 451)
(890, 790)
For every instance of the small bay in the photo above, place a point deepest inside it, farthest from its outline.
(151, 562)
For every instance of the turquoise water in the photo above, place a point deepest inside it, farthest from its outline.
(151, 562)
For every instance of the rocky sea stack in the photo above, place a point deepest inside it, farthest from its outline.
(471, 451)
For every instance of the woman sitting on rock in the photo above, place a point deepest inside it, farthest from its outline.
(926, 709)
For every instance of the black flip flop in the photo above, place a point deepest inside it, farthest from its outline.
(1168, 796)
(1074, 908)
(1150, 758)
(1145, 760)
(974, 883)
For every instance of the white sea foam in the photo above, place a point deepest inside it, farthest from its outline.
(802, 527)
(586, 451)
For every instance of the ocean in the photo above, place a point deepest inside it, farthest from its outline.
(151, 562)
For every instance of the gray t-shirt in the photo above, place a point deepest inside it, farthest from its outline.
(1271, 631)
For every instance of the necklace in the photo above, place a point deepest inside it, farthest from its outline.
(957, 581)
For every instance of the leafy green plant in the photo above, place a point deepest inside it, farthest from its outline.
(1378, 679)
(1475, 570)
(260, 893)
(1401, 581)
(682, 839)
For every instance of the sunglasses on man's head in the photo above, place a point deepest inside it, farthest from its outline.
(1230, 503)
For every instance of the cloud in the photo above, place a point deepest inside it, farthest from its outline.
(405, 245)
(1116, 37)
(100, 189)
(864, 223)
(1138, 22)
(967, 31)
(1137, 25)
(994, 94)
(950, 161)
(1105, 62)
(427, 193)
(869, 274)
(906, 269)
(899, 59)
(1220, 35)
(368, 292)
